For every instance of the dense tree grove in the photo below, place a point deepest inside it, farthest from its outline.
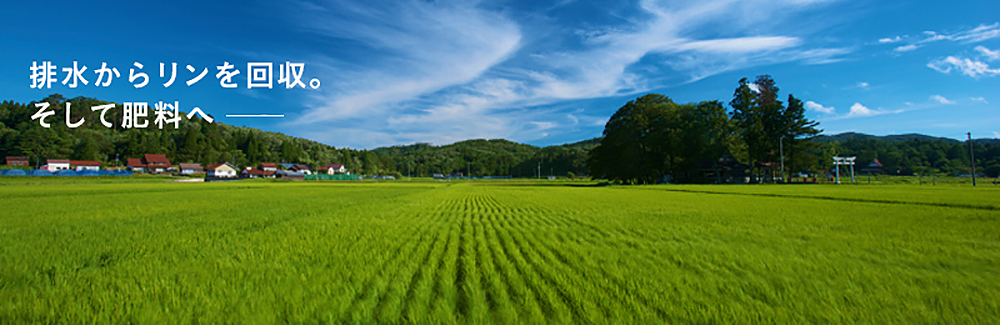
(652, 136)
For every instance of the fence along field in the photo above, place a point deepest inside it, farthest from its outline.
(496, 253)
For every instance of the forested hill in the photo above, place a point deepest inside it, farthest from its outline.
(208, 143)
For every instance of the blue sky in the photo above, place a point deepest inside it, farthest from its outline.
(538, 72)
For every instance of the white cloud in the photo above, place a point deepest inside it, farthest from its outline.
(811, 105)
(941, 99)
(972, 68)
(990, 55)
(979, 99)
(858, 110)
(890, 40)
(863, 85)
(906, 48)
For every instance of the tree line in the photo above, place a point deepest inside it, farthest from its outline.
(645, 139)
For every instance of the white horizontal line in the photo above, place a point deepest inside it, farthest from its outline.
(257, 115)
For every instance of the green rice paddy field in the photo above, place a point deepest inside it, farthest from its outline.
(107, 251)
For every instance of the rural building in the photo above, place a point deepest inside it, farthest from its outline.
(334, 169)
(287, 174)
(191, 169)
(156, 163)
(221, 170)
(258, 172)
(300, 169)
(270, 167)
(79, 165)
(135, 165)
(54, 165)
(17, 161)
(873, 168)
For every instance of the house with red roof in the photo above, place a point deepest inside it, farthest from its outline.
(79, 165)
(17, 161)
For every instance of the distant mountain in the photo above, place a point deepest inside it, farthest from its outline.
(891, 138)
(894, 138)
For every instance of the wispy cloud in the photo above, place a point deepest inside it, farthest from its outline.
(989, 54)
(863, 85)
(978, 34)
(444, 71)
(889, 40)
(941, 100)
(979, 100)
(906, 48)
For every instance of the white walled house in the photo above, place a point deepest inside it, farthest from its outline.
(334, 169)
(221, 170)
(57, 164)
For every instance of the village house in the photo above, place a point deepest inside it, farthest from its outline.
(257, 172)
(268, 167)
(17, 161)
(191, 169)
(334, 169)
(221, 170)
(301, 169)
(135, 165)
(156, 163)
(79, 165)
(54, 165)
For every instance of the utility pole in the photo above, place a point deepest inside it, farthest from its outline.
(781, 152)
(407, 170)
(468, 171)
(116, 162)
(539, 170)
(972, 154)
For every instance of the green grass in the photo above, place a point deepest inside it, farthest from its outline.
(116, 251)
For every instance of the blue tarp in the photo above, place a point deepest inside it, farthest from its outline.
(13, 172)
(39, 172)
